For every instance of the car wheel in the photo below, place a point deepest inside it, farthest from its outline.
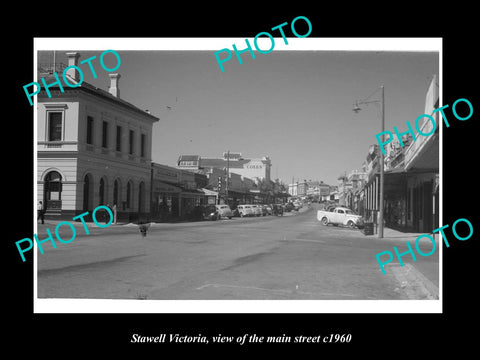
(351, 224)
(241, 214)
(229, 218)
(325, 221)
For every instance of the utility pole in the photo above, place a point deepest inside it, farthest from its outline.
(227, 177)
(356, 109)
(382, 160)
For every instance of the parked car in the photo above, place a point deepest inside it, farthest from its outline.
(257, 210)
(224, 211)
(297, 205)
(330, 207)
(268, 209)
(209, 212)
(245, 210)
(340, 216)
(277, 209)
(264, 210)
(289, 207)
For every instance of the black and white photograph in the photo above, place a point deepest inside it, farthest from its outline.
(197, 181)
(183, 176)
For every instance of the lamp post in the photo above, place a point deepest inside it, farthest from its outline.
(227, 177)
(356, 109)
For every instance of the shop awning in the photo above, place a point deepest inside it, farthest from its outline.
(191, 192)
(238, 192)
(162, 187)
(209, 192)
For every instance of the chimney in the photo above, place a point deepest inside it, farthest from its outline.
(113, 89)
(73, 61)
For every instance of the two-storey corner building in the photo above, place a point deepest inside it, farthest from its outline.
(93, 148)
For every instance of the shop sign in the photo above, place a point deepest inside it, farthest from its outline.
(254, 165)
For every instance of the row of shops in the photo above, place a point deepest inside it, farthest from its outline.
(411, 178)
(411, 199)
(175, 193)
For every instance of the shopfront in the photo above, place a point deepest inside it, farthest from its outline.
(176, 193)
(396, 200)
(165, 204)
(210, 196)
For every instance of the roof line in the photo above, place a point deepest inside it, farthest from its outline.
(89, 88)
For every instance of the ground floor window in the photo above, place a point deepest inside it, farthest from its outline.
(53, 186)
(116, 191)
(53, 191)
(101, 192)
(129, 194)
(141, 197)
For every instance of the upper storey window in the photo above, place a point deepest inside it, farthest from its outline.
(55, 125)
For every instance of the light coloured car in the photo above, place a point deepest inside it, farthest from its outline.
(340, 216)
(245, 210)
(224, 211)
(257, 210)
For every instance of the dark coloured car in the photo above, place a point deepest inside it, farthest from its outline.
(209, 212)
(330, 207)
(268, 209)
(289, 207)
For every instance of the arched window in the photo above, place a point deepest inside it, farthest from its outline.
(101, 192)
(129, 194)
(141, 197)
(116, 192)
(87, 193)
(52, 191)
(53, 186)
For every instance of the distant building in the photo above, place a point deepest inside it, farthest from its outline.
(318, 189)
(257, 168)
(302, 188)
(249, 179)
(293, 189)
(353, 194)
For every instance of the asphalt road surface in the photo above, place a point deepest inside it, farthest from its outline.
(280, 258)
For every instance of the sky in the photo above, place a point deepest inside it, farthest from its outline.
(294, 106)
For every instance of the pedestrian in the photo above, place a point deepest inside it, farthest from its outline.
(107, 215)
(40, 212)
(114, 213)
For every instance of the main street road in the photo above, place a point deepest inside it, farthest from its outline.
(290, 257)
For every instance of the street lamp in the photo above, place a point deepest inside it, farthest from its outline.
(356, 109)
